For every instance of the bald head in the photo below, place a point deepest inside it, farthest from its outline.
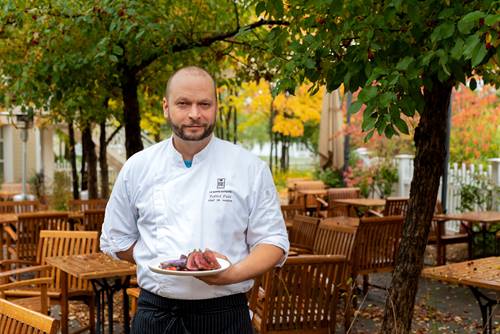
(190, 71)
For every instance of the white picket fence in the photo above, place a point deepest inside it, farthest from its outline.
(458, 175)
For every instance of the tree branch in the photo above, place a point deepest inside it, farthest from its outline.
(113, 134)
(183, 46)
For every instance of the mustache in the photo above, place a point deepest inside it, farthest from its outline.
(194, 124)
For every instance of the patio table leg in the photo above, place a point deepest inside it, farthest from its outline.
(105, 292)
(64, 302)
(486, 309)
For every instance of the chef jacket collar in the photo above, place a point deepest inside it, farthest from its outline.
(197, 158)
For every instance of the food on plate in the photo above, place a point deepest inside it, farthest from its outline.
(194, 261)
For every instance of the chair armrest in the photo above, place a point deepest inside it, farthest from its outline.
(10, 232)
(8, 263)
(36, 281)
(300, 250)
(6, 274)
(374, 213)
(322, 202)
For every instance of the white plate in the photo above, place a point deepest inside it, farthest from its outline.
(155, 267)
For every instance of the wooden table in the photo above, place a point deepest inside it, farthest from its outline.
(482, 218)
(360, 205)
(99, 268)
(482, 273)
(310, 197)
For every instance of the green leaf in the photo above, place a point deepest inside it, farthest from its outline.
(260, 8)
(443, 31)
(427, 58)
(368, 93)
(458, 49)
(386, 99)
(473, 84)
(473, 17)
(491, 19)
(369, 120)
(354, 107)
(113, 58)
(275, 7)
(467, 22)
(117, 50)
(369, 136)
(478, 54)
(401, 125)
(389, 131)
(470, 45)
(404, 63)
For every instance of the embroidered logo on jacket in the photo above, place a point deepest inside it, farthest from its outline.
(221, 194)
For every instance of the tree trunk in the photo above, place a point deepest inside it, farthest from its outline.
(271, 135)
(103, 161)
(83, 169)
(235, 126)
(91, 159)
(72, 159)
(430, 137)
(132, 117)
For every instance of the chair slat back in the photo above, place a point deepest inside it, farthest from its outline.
(302, 295)
(376, 244)
(332, 239)
(15, 319)
(337, 210)
(342, 193)
(19, 206)
(291, 210)
(87, 204)
(27, 233)
(303, 231)
(395, 206)
(65, 243)
(93, 219)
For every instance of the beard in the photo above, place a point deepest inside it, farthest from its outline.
(180, 131)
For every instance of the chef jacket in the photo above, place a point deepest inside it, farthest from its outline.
(226, 201)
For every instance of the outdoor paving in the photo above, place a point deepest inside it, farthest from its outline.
(440, 308)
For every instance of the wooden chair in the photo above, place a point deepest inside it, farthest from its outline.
(307, 201)
(38, 282)
(439, 237)
(133, 295)
(328, 208)
(376, 246)
(290, 185)
(22, 240)
(300, 297)
(87, 204)
(332, 239)
(289, 211)
(58, 243)
(303, 233)
(15, 319)
(93, 219)
(394, 206)
(19, 206)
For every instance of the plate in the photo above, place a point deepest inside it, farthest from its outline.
(155, 267)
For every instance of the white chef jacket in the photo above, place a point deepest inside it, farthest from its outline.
(226, 201)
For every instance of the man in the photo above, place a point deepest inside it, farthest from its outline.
(194, 191)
